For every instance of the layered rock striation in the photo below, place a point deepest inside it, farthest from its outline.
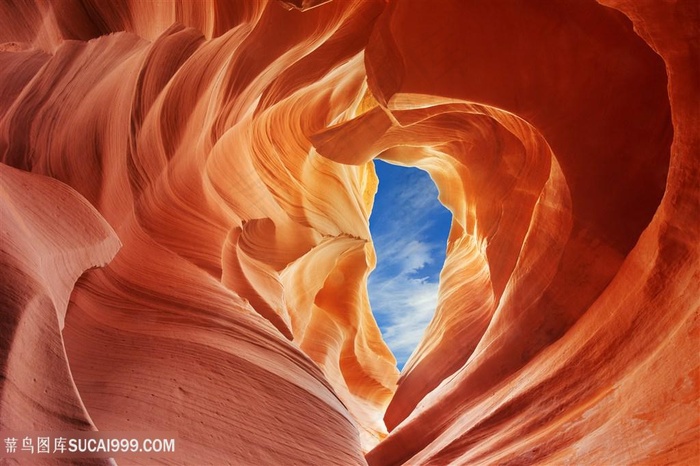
(214, 160)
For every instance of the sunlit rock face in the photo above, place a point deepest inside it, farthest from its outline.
(228, 146)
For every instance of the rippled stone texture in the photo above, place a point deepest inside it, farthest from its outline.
(228, 147)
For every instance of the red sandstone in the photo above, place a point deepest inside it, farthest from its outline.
(214, 161)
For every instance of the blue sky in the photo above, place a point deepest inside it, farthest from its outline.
(409, 228)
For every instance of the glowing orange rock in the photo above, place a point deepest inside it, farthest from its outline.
(576, 360)
(195, 149)
(229, 149)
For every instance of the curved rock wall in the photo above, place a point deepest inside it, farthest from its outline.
(228, 147)
(237, 303)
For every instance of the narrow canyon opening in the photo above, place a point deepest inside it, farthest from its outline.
(409, 228)
(211, 170)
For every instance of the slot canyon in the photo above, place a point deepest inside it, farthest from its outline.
(186, 189)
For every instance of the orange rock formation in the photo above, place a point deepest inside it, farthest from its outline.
(228, 146)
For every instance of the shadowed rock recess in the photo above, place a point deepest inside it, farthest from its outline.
(186, 187)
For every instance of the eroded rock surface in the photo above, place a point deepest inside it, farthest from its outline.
(228, 147)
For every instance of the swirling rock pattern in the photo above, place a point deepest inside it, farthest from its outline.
(228, 147)
(50, 236)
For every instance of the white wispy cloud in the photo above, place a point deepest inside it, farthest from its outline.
(409, 254)
(406, 306)
(402, 292)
